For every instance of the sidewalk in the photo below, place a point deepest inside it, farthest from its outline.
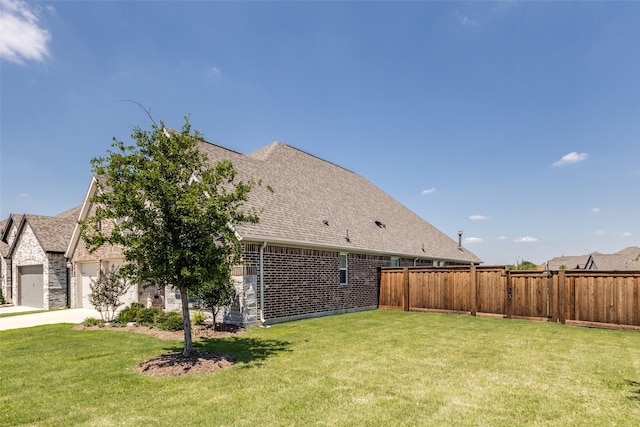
(67, 315)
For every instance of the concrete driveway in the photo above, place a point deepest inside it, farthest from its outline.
(68, 315)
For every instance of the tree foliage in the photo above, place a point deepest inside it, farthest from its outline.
(171, 211)
(523, 265)
(106, 292)
(217, 293)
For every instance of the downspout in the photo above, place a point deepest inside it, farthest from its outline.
(264, 322)
(68, 286)
(415, 262)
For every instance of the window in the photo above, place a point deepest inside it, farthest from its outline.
(343, 270)
(395, 262)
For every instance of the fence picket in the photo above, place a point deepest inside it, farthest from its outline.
(605, 298)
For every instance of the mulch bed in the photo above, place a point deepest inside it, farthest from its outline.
(176, 364)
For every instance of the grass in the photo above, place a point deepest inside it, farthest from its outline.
(370, 368)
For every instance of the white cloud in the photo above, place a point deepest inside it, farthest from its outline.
(599, 232)
(573, 157)
(473, 240)
(21, 38)
(503, 238)
(595, 210)
(24, 195)
(465, 20)
(216, 71)
(627, 234)
(478, 217)
(525, 239)
(429, 190)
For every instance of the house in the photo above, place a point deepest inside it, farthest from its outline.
(567, 263)
(85, 267)
(323, 233)
(8, 231)
(34, 266)
(624, 260)
(627, 259)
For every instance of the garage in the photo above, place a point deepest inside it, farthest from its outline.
(31, 286)
(88, 272)
(132, 293)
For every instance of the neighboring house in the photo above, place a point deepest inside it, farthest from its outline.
(8, 230)
(37, 275)
(323, 233)
(567, 263)
(624, 260)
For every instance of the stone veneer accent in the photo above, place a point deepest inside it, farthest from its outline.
(5, 277)
(54, 269)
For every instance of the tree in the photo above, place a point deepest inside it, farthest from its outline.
(217, 293)
(522, 265)
(170, 210)
(106, 292)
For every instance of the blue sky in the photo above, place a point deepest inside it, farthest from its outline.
(516, 122)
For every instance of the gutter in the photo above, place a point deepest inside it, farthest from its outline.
(354, 249)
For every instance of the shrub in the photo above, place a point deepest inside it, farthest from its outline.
(92, 321)
(151, 317)
(129, 314)
(147, 316)
(106, 292)
(198, 317)
(2, 301)
(171, 321)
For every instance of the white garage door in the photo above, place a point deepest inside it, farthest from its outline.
(31, 286)
(88, 272)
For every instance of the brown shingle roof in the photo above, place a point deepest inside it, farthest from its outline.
(625, 260)
(309, 191)
(53, 233)
(72, 213)
(570, 262)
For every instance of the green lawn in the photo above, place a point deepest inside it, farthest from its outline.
(373, 368)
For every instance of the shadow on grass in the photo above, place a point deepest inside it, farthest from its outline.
(636, 390)
(244, 350)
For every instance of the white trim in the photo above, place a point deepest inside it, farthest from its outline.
(345, 268)
(75, 237)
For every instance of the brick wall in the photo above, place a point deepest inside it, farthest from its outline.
(302, 282)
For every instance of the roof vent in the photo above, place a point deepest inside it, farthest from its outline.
(347, 236)
(325, 221)
(380, 224)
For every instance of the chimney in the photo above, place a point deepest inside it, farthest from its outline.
(459, 239)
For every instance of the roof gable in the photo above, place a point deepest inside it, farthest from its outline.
(52, 233)
(625, 260)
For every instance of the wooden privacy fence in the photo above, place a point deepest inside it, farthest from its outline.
(583, 297)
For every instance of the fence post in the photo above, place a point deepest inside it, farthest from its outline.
(561, 298)
(509, 295)
(405, 272)
(474, 293)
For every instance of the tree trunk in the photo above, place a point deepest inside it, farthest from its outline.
(186, 321)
